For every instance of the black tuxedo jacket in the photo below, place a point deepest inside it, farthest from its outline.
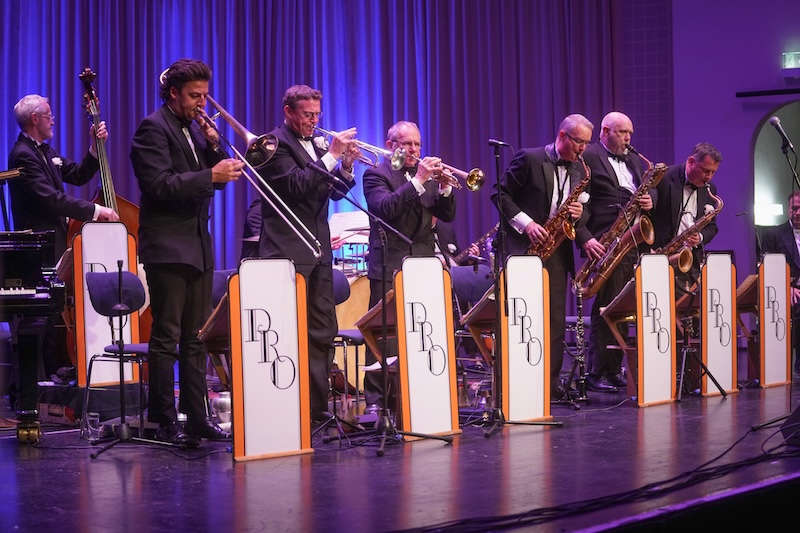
(38, 200)
(666, 215)
(605, 193)
(527, 186)
(445, 235)
(394, 199)
(176, 191)
(291, 174)
(780, 240)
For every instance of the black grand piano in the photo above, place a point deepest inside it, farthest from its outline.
(30, 293)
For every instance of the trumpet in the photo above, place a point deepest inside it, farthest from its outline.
(449, 175)
(376, 151)
(260, 149)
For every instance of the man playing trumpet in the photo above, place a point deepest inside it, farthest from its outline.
(293, 173)
(407, 199)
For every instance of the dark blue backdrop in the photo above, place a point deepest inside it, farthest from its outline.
(464, 70)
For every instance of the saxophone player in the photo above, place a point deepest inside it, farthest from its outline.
(616, 175)
(534, 187)
(683, 198)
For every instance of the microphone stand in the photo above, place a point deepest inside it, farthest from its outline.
(385, 427)
(495, 419)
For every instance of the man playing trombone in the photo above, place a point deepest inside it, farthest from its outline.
(178, 166)
(407, 199)
(294, 174)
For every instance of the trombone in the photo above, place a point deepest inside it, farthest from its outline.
(260, 150)
(449, 176)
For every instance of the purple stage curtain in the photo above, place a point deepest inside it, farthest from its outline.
(464, 70)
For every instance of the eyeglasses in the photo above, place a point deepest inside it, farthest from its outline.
(48, 116)
(311, 115)
(579, 142)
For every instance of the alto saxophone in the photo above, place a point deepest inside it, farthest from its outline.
(621, 236)
(680, 255)
(559, 226)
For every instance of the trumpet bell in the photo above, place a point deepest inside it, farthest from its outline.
(261, 149)
(398, 159)
(475, 179)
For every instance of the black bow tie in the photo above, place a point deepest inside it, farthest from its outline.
(309, 138)
(619, 157)
(562, 163)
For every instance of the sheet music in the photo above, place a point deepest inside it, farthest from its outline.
(352, 227)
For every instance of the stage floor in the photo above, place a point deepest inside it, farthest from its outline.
(609, 446)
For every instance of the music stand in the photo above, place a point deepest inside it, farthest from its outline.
(686, 308)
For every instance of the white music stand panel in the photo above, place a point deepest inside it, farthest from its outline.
(655, 324)
(526, 339)
(775, 320)
(102, 245)
(426, 342)
(718, 315)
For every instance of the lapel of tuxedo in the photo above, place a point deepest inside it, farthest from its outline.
(548, 173)
(176, 129)
(46, 152)
(676, 194)
(293, 144)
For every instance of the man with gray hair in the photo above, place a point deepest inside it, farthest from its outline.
(38, 200)
(534, 188)
(407, 198)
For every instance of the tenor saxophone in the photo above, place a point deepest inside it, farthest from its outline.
(559, 226)
(621, 236)
(676, 250)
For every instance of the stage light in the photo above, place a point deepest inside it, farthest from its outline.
(767, 214)
(790, 64)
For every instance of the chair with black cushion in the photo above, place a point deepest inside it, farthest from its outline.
(346, 337)
(116, 295)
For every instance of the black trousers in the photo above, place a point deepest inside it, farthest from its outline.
(322, 328)
(602, 361)
(180, 299)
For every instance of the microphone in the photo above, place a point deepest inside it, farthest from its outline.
(497, 142)
(776, 123)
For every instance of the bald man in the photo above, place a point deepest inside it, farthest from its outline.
(615, 177)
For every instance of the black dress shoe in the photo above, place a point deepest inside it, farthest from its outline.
(172, 434)
(557, 393)
(599, 384)
(207, 430)
(617, 380)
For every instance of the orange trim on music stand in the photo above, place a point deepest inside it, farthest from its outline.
(237, 377)
(673, 329)
(402, 347)
(639, 339)
(451, 347)
(734, 333)
(788, 327)
(80, 318)
(761, 325)
(546, 358)
(302, 357)
(504, 361)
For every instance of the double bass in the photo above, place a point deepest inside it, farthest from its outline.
(128, 211)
